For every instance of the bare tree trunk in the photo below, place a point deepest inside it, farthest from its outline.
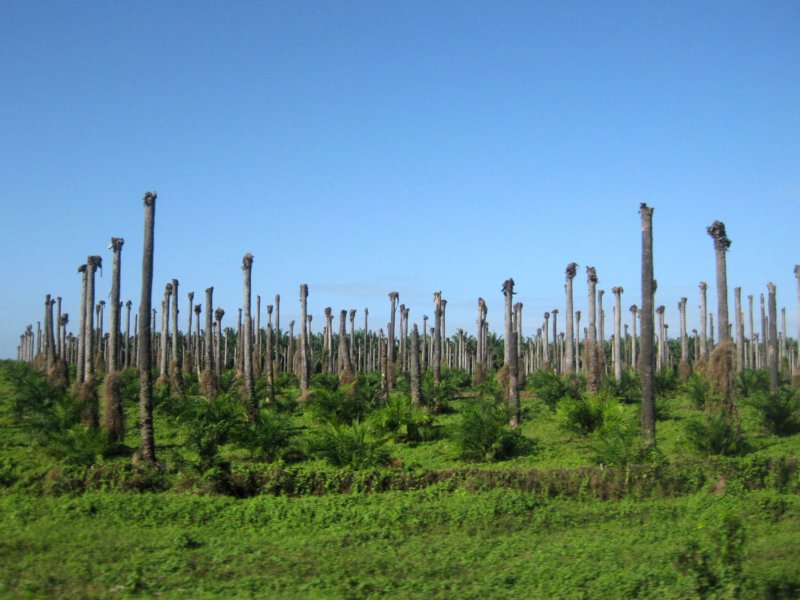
(147, 438)
(175, 364)
(113, 414)
(437, 338)
(721, 362)
(416, 388)
(208, 380)
(703, 324)
(617, 291)
(512, 364)
(773, 340)
(304, 361)
(345, 366)
(647, 368)
(247, 347)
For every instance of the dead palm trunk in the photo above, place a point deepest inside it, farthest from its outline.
(198, 308)
(703, 323)
(345, 366)
(647, 360)
(175, 363)
(684, 368)
(773, 340)
(740, 342)
(416, 388)
(147, 437)
(437, 338)
(721, 361)
(164, 345)
(88, 393)
(208, 380)
(113, 414)
(188, 342)
(796, 375)
(304, 362)
(590, 342)
(634, 360)
(512, 364)
(247, 347)
(617, 291)
(569, 350)
(353, 360)
(390, 356)
(219, 357)
(49, 337)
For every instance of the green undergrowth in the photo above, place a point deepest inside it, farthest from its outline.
(433, 543)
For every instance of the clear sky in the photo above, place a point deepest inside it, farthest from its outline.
(365, 147)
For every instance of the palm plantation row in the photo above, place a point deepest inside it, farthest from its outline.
(255, 350)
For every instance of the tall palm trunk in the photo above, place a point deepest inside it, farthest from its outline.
(305, 364)
(684, 368)
(113, 414)
(175, 367)
(753, 347)
(416, 388)
(569, 350)
(188, 342)
(247, 347)
(773, 340)
(739, 316)
(647, 360)
(345, 366)
(796, 374)
(390, 355)
(208, 380)
(147, 437)
(634, 359)
(437, 337)
(721, 361)
(198, 308)
(353, 362)
(219, 357)
(590, 342)
(703, 323)
(49, 337)
(511, 365)
(617, 291)
(164, 345)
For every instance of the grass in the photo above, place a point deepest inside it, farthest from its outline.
(228, 514)
(434, 543)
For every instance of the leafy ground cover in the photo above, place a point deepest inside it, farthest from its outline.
(353, 496)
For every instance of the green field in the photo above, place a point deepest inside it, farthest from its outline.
(393, 510)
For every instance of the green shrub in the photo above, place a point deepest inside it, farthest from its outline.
(716, 434)
(347, 404)
(697, 388)
(482, 432)
(628, 389)
(548, 387)
(583, 415)
(752, 381)
(617, 444)
(210, 424)
(79, 445)
(780, 413)
(437, 398)
(273, 437)
(401, 419)
(666, 383)
(350, 446)
(715, 566)
(329, 381)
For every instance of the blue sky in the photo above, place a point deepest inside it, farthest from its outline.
(365, 147)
